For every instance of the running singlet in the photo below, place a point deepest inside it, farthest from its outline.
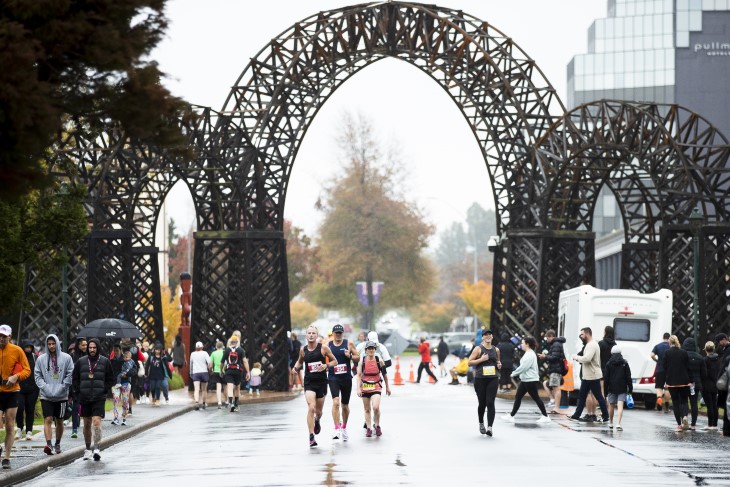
(370, 376)
(488, 369)
(312, 359)
(234, 358)
(340, 371)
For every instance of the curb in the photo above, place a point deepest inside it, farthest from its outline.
(39, 467)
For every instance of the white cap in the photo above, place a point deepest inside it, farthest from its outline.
(373, 336)
(616, 349)
(198, 344)
(6, 330)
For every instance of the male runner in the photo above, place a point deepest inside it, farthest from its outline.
(340, 380)
(233, 364)
(13, 369)
(312, 360)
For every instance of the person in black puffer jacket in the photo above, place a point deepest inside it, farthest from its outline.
(713, 362)
(698, 374)
(507, 356)
(617, 384)
(606, 345)
(554, 362)
(27, 397)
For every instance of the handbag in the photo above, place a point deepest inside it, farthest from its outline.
(722, 381)
(630, 401)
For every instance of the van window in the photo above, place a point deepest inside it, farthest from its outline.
(631, 330)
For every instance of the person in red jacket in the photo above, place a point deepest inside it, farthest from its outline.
(425, 350)
(14, 368)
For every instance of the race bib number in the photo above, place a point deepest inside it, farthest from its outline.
(366, 386)
(314, 366)
(489, 370)
(340, 369)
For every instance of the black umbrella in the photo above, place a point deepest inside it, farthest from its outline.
(112, 328)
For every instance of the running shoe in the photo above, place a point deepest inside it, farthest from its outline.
(48, 450)
(116, 422)
(679, 428)
(18, 433)
(6, 464)
(482, 429)
(378, 431)
(220, 406)
(204, 406)
(508, 418)
(685, 423)
(574, 418)
(29, 436)
(97, 455)
(197, 407)
(317, 427)
(57, 449)
(544, 420)
(312, 441)
(233, 408)
(74, 434)
(87, 454)
(489, 431)
(336, 436)
(368, 433)
(343, 432)
(619, 427)
(124, 422)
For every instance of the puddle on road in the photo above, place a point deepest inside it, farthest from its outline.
(330, 478)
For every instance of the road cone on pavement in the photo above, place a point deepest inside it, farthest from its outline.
(411, 376)
(430, 376)
(398, 380)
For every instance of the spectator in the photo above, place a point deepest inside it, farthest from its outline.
(460, 370)
(507, 356)
(617, 384)
(713, 364)
(179, 359)
(27, 397)
(442, 352)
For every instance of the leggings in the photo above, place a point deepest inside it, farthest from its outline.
(679, 397)
(693, 398)
(75, 411)
(531, 389)
(711, 403)
(486, 390)
(26, 406)
(427, 367)
(120, 394)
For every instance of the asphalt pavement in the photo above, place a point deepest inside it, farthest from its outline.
(430, 437)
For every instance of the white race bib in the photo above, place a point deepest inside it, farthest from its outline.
(313, 366)
(340, 369)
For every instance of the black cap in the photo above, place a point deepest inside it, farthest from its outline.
(720, 336)
(338, 329)
(371, 345)
(487, 332)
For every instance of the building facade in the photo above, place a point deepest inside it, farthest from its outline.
(661, 51)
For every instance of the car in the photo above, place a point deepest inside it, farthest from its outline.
(455, 341)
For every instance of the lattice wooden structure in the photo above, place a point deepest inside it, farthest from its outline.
(545, 168)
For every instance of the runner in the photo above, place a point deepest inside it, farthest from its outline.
(676, 367)
(216, 358)
(340, 380)
(53, 373)
(657, 355)
(370, 375)
(13, 369)
(380, 351)
(200, 365)
(92, 381)
(530, 381)
(485, 360)
(312, 359)
(233, 364)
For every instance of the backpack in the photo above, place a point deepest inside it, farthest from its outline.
(565, 366)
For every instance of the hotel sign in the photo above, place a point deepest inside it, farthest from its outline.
(713, 48)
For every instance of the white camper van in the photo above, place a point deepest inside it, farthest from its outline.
(639, 322)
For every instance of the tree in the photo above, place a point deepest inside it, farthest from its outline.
(39, 229)
(478, 298)
(301, 258)
(370, 232)
(482, 225)
(80, 59)
(434, 317)
(303, 313)
(171, 313)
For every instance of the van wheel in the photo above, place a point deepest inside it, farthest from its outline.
(649, 402)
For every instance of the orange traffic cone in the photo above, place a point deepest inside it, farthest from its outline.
(411, 376)
(430, 377)
(398, 380)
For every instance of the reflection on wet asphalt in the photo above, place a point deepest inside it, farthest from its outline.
(430, 437)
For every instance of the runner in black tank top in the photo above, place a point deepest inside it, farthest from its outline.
(315, 358)
(340, 380)
(486, 362)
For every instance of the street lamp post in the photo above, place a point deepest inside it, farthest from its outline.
(63, 191)
(696, 219)
(476, 279)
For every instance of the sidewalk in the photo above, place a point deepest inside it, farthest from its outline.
(28, 460)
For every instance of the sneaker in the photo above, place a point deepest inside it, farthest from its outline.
(250, 392)
(610, 426)
(593, 418)
(508, 418)
(220, 406)
(679, 428)
(600, 420)
(97, 455)
(343, 433)
(116, 422)
(482, 429)
(365, 426)
(74, 434)
(167, 401)
(544, 420)
(378, 431)
(258, 393)
(575, 418)
(124, 422)
(685, 423)
(336, 436)
(204, 406)
(48, 450)
(6, 464)
(454, 383)
(489, 431)
(619, 428)
(197, 407)
(368, 433)
(18, 433)
(312, 441)
(317, 427)
(550, 403)
(233, 408)
(57, 449)
(29, 436)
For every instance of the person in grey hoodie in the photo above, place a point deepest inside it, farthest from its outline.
(53, 374)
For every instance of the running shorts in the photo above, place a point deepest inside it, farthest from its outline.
(8, 400)
(370, 394)
(660, 380)
(341, 388)
(200, 376)
(53, 409)
(94, 408)
(554, 379)
(318, 387)
(233, 376)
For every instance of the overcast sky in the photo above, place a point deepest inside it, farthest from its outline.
(209, 43)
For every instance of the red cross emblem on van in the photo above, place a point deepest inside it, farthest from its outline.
(625, 311)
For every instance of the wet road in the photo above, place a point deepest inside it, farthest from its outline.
(430, 437)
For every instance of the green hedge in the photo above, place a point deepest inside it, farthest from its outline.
(176, 382)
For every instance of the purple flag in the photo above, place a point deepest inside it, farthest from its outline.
(362, 291)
